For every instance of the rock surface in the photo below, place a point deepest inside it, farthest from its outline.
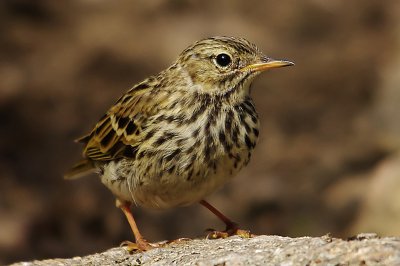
(363, 249)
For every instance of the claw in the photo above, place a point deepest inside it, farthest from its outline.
(217, 234)
(244, 233)
(142, 245)
(232, 229)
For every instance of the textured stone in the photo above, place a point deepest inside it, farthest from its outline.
(363, 249)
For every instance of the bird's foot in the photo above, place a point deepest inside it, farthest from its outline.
(232, 229)
(139, 245)
(144, 245)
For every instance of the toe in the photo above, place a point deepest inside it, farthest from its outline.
(141, 245)
(130, 246)
(244, 233)
(217, 234)
(231, 230)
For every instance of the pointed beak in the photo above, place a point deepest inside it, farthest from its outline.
(265, 64)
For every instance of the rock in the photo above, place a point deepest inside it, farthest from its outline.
(363, 249)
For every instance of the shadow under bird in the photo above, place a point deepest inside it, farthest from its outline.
(178, 136)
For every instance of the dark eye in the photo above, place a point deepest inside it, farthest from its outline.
(223, 60)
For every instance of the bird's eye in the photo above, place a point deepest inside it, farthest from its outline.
(223, 60)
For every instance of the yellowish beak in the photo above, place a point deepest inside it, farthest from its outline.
(270, 63)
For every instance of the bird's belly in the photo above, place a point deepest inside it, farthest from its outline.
(161, 189)
(180, 165)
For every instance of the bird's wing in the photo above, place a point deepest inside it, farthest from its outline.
(120, 129)
(118, 132)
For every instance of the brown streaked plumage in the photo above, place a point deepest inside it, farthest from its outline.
(178, 136)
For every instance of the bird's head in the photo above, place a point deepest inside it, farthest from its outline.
(218, 65)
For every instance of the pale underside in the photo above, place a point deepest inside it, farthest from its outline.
(202, 165)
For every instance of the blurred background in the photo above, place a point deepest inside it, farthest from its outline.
(328, 156)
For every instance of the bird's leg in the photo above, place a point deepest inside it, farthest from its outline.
(232, 228)
(140, 243)
(230, 225)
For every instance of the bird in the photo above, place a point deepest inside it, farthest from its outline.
(176, 137)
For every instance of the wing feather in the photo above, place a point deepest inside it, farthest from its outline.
(117, 134)
(121, 127)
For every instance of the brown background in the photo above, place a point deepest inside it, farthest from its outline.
(327, 159)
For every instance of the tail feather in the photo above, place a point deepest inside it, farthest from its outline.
(80, 169)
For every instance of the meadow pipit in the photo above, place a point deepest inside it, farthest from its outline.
(176, 137)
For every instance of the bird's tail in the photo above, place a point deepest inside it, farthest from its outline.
(80, 169)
